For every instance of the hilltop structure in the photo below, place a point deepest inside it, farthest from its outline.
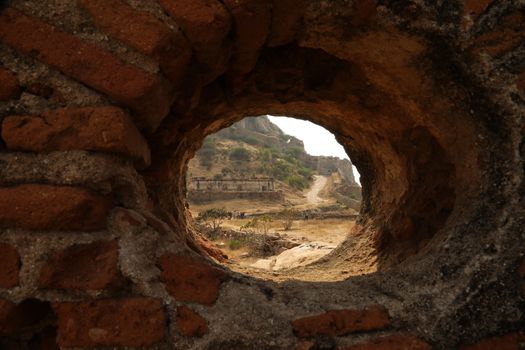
(232, 185)
(201, 189)
(254, 155)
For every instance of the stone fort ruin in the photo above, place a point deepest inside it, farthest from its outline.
(201, 189)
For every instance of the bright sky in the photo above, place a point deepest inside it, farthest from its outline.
(317, 140)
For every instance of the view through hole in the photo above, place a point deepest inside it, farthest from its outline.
(273, 193)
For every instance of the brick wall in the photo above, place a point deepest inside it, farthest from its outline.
(102, 103)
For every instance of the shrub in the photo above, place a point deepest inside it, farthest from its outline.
(295, 152)
(297, 181)
(250, 226)
(260, 224)
(240, 154)
(281, 169)
(288, 216)
(305, 172)
(265, 155)
(234, 244)
(251, 141)
(213, 217)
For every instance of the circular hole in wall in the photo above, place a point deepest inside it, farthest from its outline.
(271, 201)
(407, 196)
(413, 171)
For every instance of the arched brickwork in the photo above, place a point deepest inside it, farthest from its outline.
(105, 101)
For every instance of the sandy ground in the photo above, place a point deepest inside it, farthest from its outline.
(331, 231)
(317, 237)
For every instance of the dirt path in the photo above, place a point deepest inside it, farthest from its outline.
(312, 196)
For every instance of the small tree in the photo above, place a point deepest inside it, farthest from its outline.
(288, 216)
(260, 224)
(265, 222)
(250, 226)
(213, 217)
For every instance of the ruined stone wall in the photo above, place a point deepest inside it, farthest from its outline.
(251, 185)
(103, 102)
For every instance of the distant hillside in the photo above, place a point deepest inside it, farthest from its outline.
(255, 147)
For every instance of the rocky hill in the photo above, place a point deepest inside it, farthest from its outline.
(255, 147)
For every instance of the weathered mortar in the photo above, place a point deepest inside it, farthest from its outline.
(430, 110)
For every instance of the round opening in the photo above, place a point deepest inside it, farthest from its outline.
(263, 198)
(414, 172)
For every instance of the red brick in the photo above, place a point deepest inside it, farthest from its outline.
(83, 266)
(148, 95)
(189, 323)
(9, 87)
(206, 24)
(45, 207)
(9, 266)
(105, 129)
(190, 280)
(132, 322)
(252, 25)
(392, 342)
(143, 32)
(15, 318)
(342, 322)
(512, 341)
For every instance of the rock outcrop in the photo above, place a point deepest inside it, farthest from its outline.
(262, 134)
